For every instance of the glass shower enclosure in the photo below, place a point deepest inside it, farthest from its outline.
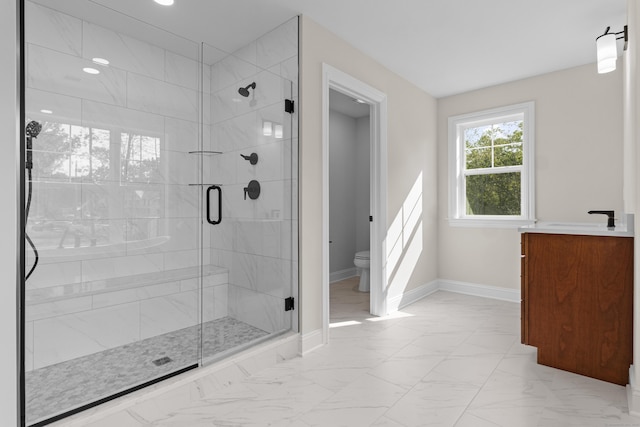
(161, 205)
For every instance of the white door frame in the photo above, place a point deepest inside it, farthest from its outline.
(333, 78)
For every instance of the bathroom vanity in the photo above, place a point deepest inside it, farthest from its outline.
(577, 297)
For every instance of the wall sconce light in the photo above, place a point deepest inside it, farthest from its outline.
(279, 131)
(267, 130)
(607, 49)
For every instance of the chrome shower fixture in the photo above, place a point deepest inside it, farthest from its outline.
(244, 91)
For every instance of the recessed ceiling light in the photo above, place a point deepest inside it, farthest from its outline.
(164, 2)
(46, 111)
(90, 70)
(101, 61)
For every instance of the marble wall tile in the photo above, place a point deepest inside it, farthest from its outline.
(122, 51)
(182, 259)
(57, 308)
(238, 133)
(59, 273)
(57, 72)
(182, 201)
(274, 201)
(262, 311)
(216, 279)
(54, 30)
(65, 109)
(274, 238)
(180, 135)
(189, 284)
(155, 96)
(168, 313)
(233, 68)
(223, 167)
(269, 90)
(275, 277)
(182, 71)
(223, 103)
(99, 269)
(67, 337)
(248, 237)
(222, 235)
(136, 294)
(180, 168)
(278, 45)
(243, 270)
(106, 116)
(182, 233)
(28, 346)
(289, 69)
(275, 114)
(271, 166)
(214, 302)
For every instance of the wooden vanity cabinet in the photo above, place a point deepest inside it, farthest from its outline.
(577, 303)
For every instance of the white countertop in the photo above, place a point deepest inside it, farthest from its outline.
(623, 228)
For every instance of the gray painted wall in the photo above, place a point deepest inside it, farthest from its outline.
(348, 189)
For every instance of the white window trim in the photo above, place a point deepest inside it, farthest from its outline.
(456, 168)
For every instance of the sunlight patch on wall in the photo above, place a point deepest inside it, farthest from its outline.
(404, 241)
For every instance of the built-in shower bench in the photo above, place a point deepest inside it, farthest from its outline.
(101, 314)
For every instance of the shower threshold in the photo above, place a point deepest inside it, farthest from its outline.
(65, 386)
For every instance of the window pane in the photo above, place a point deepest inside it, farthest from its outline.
(477, 137)
(477, 158)
(508, 132)
(493, 194)
(508, 155)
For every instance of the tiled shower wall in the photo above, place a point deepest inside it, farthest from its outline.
(257, 240)
(101, 222)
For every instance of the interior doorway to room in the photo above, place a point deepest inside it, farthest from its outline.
(349, 207)
(377, 104)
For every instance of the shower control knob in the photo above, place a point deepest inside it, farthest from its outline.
(253, 158)
(252, 190)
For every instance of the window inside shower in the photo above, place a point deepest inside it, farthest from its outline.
(163, 202)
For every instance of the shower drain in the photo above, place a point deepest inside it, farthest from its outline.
(162, 361)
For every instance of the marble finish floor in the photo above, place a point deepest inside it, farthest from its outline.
(446, 360)
(68, 385)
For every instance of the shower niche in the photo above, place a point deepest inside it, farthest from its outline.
(150, 261)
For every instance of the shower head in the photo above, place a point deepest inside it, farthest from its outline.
(244, 91)
(33, 129)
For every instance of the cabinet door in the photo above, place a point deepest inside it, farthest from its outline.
(580, 303)
(524, 298)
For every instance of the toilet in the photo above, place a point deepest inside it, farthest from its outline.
(361, 261)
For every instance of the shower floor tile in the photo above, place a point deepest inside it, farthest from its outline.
(68, 385)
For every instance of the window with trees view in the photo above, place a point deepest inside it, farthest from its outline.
(491, 166)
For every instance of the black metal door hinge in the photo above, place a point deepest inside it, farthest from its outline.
(288, 106)
(370, 218)
(288, 304)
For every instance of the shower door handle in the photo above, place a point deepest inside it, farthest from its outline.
(209, 190)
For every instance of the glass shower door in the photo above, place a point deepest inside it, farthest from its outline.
(114, 300)
(250, 269)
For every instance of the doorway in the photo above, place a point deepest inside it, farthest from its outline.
(353, 88)
(349, 207)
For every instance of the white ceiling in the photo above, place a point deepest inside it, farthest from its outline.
(346, 105)
(443, 46)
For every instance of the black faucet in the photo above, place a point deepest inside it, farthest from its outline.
(610, 214)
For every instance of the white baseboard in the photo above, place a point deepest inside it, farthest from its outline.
(336, 276)
(485, 291)
(311, 341)
(409, 297)
(633, 394)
